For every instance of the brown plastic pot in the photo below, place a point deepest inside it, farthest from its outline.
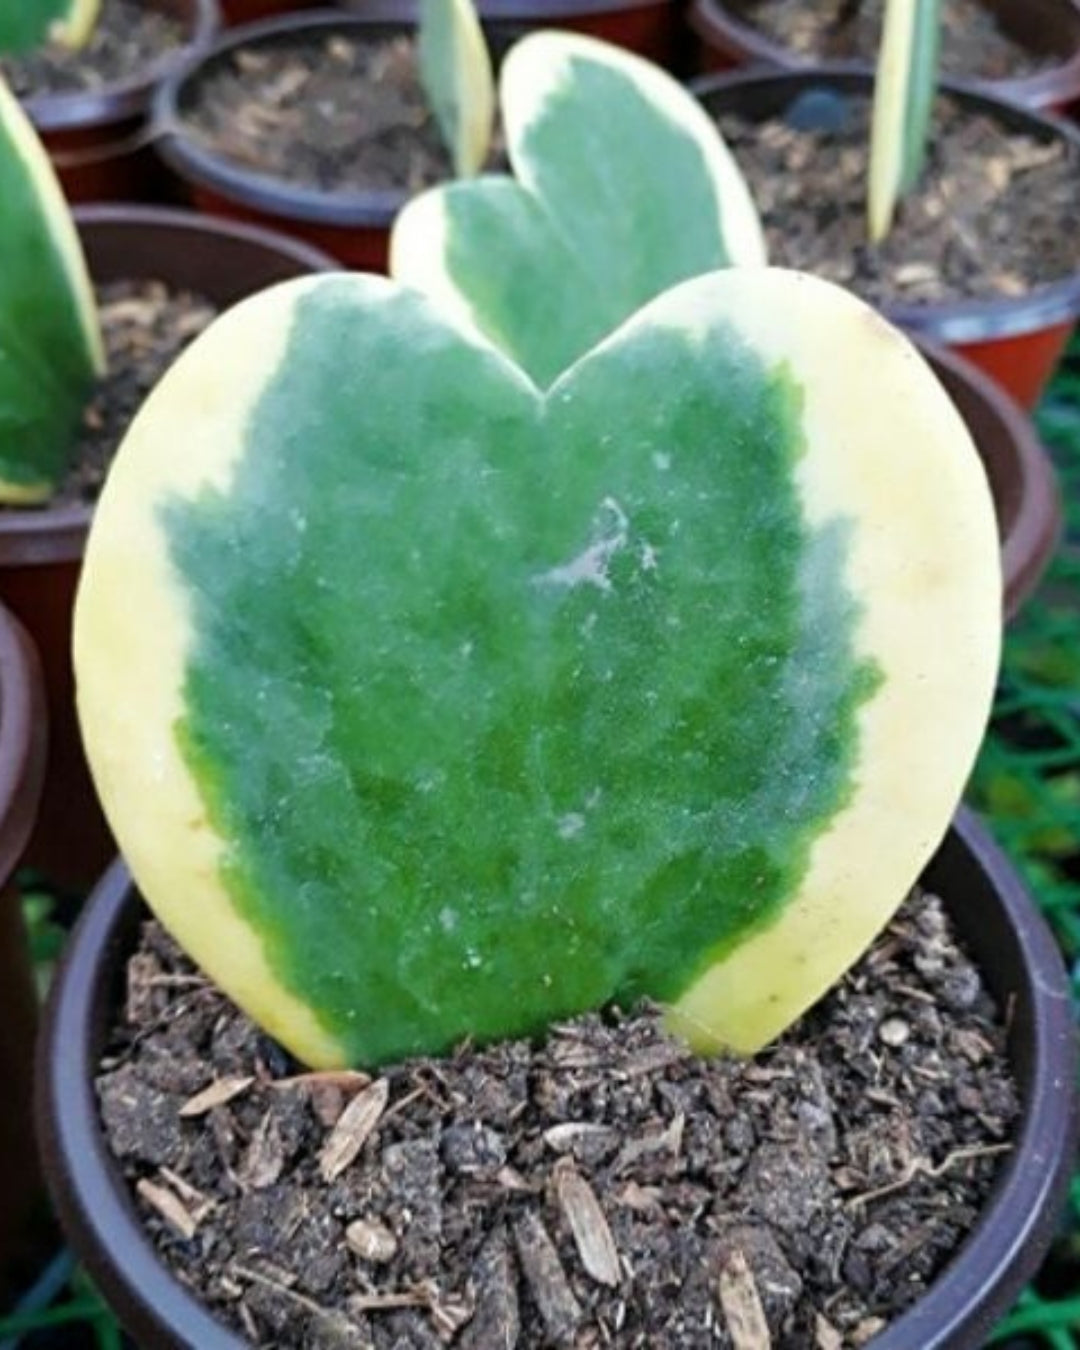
(98, 141)
(1045, 28)
(235, 12)
(1016, 340)
(1018, 469)
(355, 226)
(22, 768)
(986, 900)
(41, 550)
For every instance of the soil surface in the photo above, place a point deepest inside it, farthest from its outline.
(323, 112)
(129, 40)
(994, 214)
(604, 1188)
(145, 326)
(972, 44)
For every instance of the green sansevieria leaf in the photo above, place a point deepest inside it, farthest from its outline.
(25, 24)
(623, 187)
(904, 92)
(426, 705)
(456, 71)
(50, 346)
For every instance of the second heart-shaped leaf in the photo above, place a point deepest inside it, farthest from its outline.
(427, 706)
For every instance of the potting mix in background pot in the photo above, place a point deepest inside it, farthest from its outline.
(22, 766)
(483, 692)
(1027, 51)
(160, 276)
(90, 106)
(984, 256)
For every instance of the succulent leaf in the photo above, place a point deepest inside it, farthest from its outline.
(623, 187)
(26, 24)
(427, 705)
(456, 71)
(50, 345)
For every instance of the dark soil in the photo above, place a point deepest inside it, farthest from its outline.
(146, 326)
(994, 213)
(323, 112)
(605, 1188)
(130, 39)
(972, 44)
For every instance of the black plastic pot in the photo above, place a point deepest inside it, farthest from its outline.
(41, 548)
(996, 918)
(1016, 340)
(1045, 28)
(97, 139)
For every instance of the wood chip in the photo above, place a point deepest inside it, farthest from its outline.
(562, 1138)
(371, 1241)
(353, 1129)
(544, 1274)
(219, 1092)
(588, 1223)
(169, 1206)
(826, 1336)
(740, 1303)
(388, 1302)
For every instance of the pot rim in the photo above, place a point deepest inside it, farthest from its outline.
(1013, 1228)
(33, 536)
(1031, 537)
(22, 740)
(126, 98)
(710, 20)
(949, 321)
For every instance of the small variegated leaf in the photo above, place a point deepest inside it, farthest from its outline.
(456, 71)
(50, 345)
(25, 24)
(427, 705)
(623, 187)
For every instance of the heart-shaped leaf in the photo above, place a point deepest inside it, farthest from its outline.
(458, 79)
(425, 705)
(623, 187)
(50, 346)
(25, 24)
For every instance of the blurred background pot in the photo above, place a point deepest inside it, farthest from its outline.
(41, 549)
(22, 767)
(1047, 29)
(1016, 340)
(995, 917)
(98, 140)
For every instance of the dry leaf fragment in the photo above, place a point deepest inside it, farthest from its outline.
(264, 1160)
(354, 1127)
(562, 1138)
(588, 1223)
(169, 1206)
(740, 1303)
(219, 1092)
(328, 1091)
(826, 1336)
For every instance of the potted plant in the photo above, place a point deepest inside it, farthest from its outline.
(54, 465)
(1026, 52)
(22, 763)
(660, 676)
(947, 271)
(90, 107)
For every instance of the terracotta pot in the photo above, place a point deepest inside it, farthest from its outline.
(1020, 472)
(995, 916)
(98, 141)
(1016, 340)
(22, 768)
(1048, 28)
(354, 226)
(41, 550)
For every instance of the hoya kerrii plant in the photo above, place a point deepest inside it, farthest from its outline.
(51, 349)
(25, 24)
(456, 73)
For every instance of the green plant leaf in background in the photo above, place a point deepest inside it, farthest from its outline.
(623, 187)
(455, 68)
(904, 91)
(50, 344)
(426, 705)
(25, 24)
